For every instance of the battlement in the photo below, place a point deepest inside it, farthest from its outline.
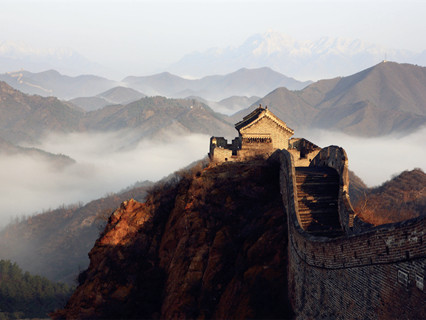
(356, 274)
(260, 133)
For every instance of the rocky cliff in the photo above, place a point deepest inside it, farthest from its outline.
(210, 243)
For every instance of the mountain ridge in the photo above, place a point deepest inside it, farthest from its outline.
(383, 99)
(28, 118)
(303, 59)
(243, 82)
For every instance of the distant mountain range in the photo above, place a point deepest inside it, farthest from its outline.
(52, 83)
(116, 95)
(157, 117)
(318, 59)
(18, 56)
(26, 118)
(312, 59)
(243, 82)
(386, 98)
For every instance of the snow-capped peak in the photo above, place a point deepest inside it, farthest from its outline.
(273, 42)
(22, 49)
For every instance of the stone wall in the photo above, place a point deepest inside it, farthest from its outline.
(303, 161)
(267, 126)
(336, 158)
(222, 155)
(375, 274)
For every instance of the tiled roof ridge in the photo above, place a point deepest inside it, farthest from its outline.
(259, 113)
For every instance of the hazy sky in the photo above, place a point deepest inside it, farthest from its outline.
(154, 34)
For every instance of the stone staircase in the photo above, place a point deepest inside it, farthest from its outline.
(317, 196)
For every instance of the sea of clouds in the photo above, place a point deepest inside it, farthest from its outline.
(375, 160)
(105, 163)
(110, 162)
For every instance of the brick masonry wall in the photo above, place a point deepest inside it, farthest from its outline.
(335, 157)
(268, 127)
(220, 154)
(375, 274)
(302, 162)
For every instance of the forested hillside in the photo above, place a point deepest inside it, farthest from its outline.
(401, 198)
(26, 296)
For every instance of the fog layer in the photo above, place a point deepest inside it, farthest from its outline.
(104, 163)
(109, 162)
(376, 160)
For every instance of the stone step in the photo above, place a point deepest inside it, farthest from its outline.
(317, 198)
(320, 220)
(317, 194)
(320, 190)
(322, 217)
(317, 206)
(317, 184)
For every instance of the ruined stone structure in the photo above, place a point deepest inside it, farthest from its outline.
(338, 270)
(260, 134)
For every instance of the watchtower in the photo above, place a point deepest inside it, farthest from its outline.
(259, 133)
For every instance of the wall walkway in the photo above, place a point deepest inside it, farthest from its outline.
(371, 274)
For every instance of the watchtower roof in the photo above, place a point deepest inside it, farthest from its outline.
(258, 114)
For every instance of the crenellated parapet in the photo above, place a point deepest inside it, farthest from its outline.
(260, 133)
(375, 273)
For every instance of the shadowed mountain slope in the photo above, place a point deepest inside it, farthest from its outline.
(155, 116)
(27, 118)
(189, 252)
(286, 105)
(390, 85)
(387, 98)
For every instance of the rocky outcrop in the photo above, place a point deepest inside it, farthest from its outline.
(211, 243)
(54, 244)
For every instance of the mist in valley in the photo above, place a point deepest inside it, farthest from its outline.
(105, 163)
(375, 160)
(109, 162)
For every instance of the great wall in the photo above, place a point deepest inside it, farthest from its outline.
(339, 267)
